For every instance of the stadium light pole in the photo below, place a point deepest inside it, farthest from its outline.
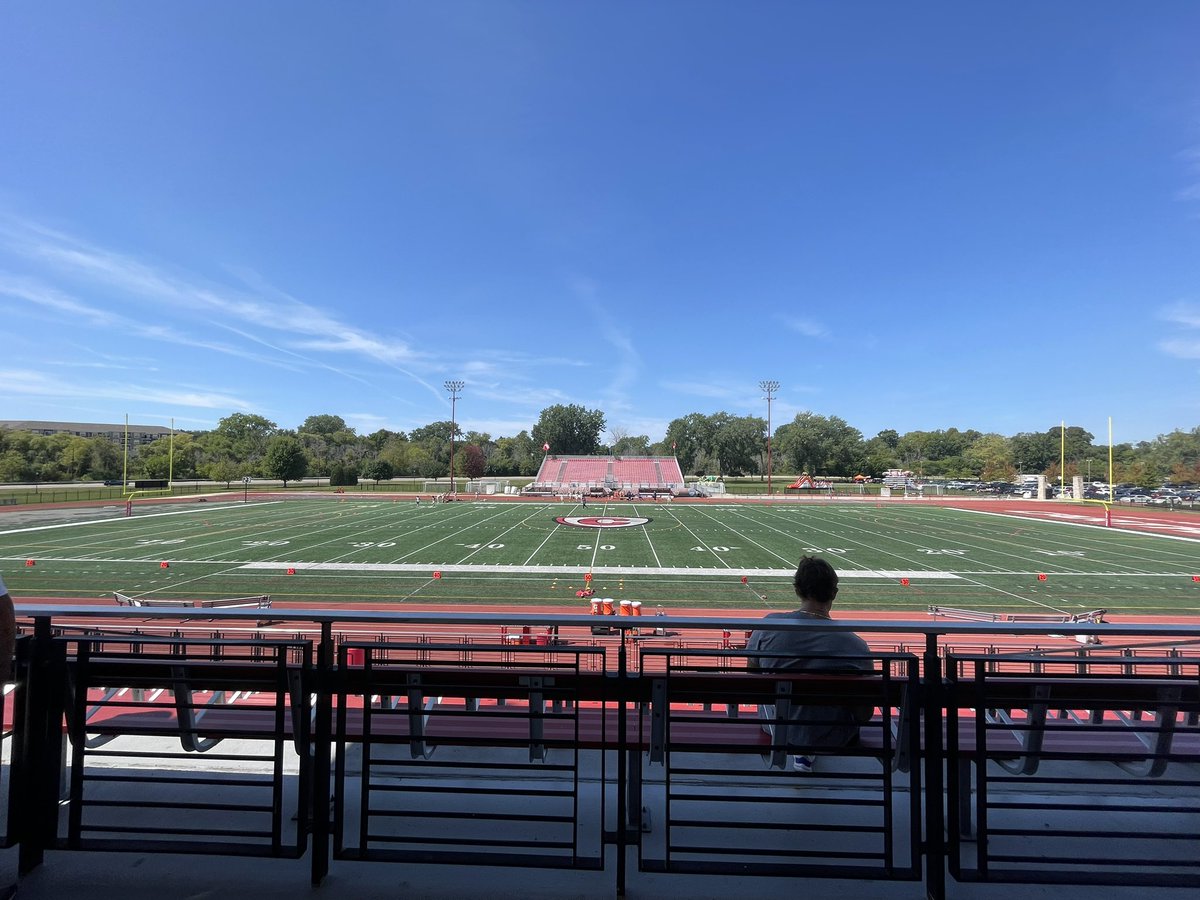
(453, 388)
(769, 388)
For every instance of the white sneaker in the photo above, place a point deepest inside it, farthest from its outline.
(802, 764)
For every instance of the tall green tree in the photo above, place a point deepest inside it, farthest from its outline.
(737, 442)
(879, 454)
(820, 445)
(324, 424)
(688, 437)
(378, 470)
(630, 444)
(570, 430)
(515, 456)
(222, 470)
(991, 458)
(247, 435)
(284, 459)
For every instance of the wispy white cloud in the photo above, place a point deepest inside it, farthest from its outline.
(1183, 348)
(300, 326)
(52, 299)
(1186, 314)
(1191, 161)
(27, 382)
(805, 327)
(533, 397)
(1185, 344)
(623, 365)
(58, 303)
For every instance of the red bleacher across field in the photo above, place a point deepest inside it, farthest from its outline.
(617, 473)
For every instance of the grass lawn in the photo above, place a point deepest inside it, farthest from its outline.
(374, 549)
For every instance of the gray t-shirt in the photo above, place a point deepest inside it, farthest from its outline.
(811, 650)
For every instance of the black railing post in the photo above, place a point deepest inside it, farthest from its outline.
(321, 762)
(622, 764)
(935, 829)
(19, 749)
(42, 745)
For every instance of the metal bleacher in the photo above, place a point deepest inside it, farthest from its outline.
(640, 756)
(636, 474)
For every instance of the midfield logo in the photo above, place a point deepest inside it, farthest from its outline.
(602, 521)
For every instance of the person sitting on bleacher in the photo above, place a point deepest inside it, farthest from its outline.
(816, 584)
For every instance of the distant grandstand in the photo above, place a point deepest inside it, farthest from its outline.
(607, 476)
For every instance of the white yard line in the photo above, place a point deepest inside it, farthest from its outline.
(751, 540)
(646, 534)
(538, 549)
(131, 520)
(699, 541)
(498, 512)
(1191, 531)
(496, 537)
(554, 570)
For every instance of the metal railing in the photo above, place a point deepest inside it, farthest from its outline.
(388, 736)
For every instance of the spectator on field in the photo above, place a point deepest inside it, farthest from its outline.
(812, 650)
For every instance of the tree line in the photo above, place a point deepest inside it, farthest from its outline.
(714, 444)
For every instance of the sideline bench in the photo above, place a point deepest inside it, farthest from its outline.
(261, 602)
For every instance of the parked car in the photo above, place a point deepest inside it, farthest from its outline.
(1165, 497)
(1139, 496)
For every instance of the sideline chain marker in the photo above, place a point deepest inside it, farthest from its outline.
(904, 582)
(1041, 576)
(29, 562)
(164, 565)
(437, 575)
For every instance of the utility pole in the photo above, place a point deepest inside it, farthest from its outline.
(453, 388)
(769, 388)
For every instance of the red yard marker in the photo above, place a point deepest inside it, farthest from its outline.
(291, 571)
(30, 562)
(437, 574)
(1194, 577)
(1041, 576)
(904, 582)
(745, 580)
(164, 565)
(587, 576)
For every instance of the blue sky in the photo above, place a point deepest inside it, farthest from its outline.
(914, 216)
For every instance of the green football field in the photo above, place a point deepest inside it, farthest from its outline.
(891, 557)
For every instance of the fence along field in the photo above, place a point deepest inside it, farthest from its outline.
(329, 551)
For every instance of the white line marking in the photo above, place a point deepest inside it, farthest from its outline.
(921, 575)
